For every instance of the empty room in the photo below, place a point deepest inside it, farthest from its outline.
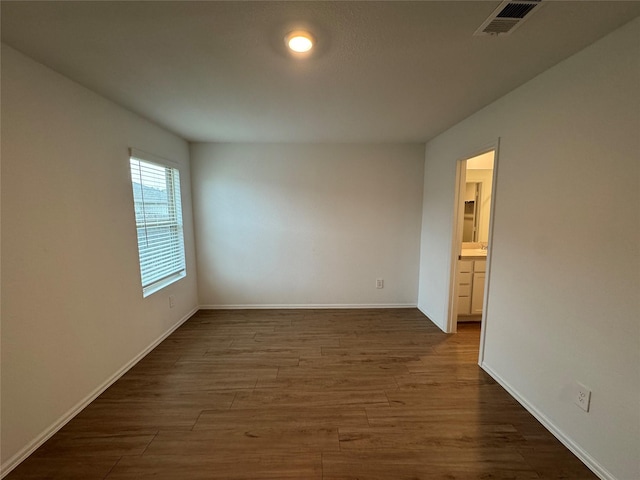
(320, 240)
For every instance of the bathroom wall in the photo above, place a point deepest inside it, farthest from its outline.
(485, 177)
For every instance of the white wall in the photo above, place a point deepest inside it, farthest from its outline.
(563, 302)
(72, 309)
(307, 224)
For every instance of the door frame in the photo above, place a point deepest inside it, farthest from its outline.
(456, 240)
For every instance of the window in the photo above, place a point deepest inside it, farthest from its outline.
(158, 210)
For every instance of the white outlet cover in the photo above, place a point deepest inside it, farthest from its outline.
(582, 396)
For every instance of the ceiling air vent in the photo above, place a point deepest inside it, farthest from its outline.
(507, 17)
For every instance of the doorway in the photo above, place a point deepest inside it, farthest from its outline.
(472, 240)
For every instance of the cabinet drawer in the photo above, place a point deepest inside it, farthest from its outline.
(464, 305)
(464, 290)
(464, 278)
(465, 266)
(480, 266)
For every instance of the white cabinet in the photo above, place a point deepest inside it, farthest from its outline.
(471, 276)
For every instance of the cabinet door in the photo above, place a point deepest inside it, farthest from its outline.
(477, 293)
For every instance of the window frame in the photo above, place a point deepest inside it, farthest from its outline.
(174, 202)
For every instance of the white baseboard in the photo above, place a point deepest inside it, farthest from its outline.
(19, 457)
(306, 306)
(576, 449)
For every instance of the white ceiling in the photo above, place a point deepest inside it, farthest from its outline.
(383, 71)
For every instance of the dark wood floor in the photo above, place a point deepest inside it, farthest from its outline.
(313, 394)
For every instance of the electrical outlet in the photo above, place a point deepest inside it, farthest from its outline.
(582, 396)
(172, 301)
(379, 283)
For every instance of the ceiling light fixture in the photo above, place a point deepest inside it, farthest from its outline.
(299, 41)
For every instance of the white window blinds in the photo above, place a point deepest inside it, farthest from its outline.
(158, 211)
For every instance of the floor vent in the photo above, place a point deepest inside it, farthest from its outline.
(508, 16)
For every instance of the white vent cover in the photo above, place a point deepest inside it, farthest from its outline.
(508, 16)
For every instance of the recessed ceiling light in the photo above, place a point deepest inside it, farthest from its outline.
(299, 41)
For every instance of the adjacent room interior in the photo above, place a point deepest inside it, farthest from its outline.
(320, 219)
(472, 237)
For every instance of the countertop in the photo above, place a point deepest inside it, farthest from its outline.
(472, 254)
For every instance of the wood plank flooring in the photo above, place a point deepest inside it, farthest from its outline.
(306, 394)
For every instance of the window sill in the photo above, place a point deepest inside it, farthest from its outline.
(159, 285)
